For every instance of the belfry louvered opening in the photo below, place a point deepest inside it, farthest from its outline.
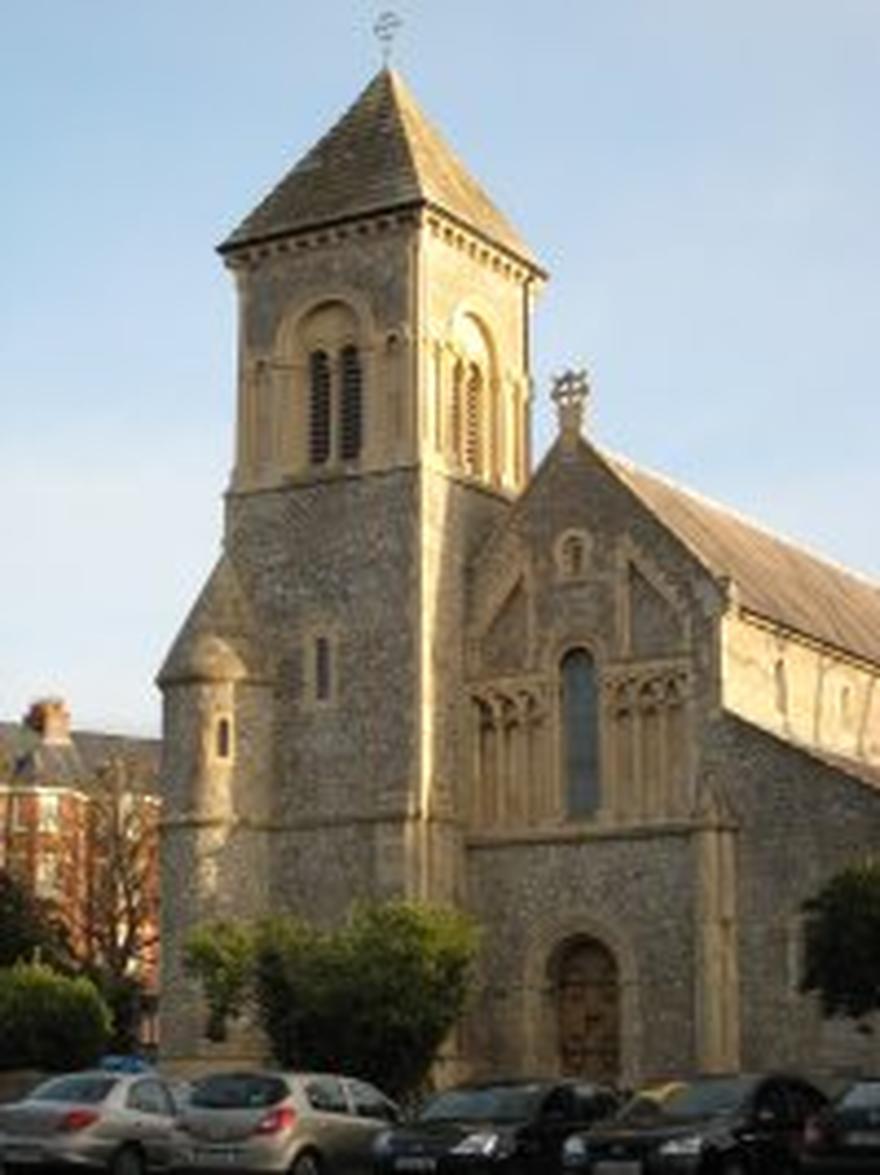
(319, 407)
(351, 404)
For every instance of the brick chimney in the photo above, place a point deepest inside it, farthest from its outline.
(50, 719)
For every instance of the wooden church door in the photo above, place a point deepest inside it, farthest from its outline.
(588, 1012)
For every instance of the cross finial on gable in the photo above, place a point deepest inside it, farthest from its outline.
(570, 392)
(386, 29)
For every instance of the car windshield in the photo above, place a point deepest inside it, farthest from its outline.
(863, 1095)
(90, 1089)
(689, 1100)
(488, 1103)
(237, 1091)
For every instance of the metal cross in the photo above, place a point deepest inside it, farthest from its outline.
(386, 28)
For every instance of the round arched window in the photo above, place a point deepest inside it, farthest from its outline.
(580, 733)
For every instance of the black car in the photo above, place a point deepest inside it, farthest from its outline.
(504, 1127)
(845, 1137)
(731, 1125)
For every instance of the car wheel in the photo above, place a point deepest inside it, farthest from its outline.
(307, 1164)
(128, 1160)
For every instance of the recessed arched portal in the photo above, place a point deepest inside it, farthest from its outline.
(587, 1000)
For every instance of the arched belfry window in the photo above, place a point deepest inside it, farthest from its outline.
(350, 403)
(473, 423)
(330, 337)
(580, 734)
(319, 407)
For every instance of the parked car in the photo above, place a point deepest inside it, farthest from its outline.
(502, 1127)
(845, 1137)
(125, 1063)
(297, 1123)
(730, 1125)
(122, 1122)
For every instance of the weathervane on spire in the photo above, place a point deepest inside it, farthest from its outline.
(386, 29)
(570, 393)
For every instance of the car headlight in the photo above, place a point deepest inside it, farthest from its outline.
(482, 1142)
(575, 1150)
(382, 1142)
(690, 1144)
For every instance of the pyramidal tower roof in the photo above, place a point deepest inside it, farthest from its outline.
(382, 155)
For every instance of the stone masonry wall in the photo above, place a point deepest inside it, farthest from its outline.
(635, 894)
(800, 821)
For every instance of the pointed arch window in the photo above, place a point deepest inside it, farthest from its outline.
(350, 403)
(580, 734)
(319, 407)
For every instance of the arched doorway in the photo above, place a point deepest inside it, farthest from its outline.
(588, 1010)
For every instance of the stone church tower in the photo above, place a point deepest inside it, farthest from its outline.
(628, 730)
(313, 697)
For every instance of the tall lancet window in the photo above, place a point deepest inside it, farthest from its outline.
(319, 407)
(350, 403)
(580, 734)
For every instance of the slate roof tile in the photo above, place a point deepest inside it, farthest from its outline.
(774, 577)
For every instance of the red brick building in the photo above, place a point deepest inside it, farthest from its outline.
(79, 813)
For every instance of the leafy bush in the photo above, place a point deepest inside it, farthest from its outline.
(842, 942)
(375, 998)
(221, 956)
(48, 1021)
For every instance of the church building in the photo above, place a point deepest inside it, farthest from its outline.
(627, 730)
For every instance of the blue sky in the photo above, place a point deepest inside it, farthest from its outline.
(702, 178)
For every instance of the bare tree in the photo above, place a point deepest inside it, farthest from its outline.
(117, 935)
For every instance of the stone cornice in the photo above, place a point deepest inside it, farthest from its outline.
(437, 221)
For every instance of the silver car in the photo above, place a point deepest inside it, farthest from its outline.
(297, 1123)
(122, 1122)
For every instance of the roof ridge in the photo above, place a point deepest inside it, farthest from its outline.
(400, 91)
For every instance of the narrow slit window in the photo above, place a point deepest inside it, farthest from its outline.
(323, 683)
(223, 741)
(351, 404)
(319, 407)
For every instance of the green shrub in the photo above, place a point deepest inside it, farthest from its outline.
(48, 1021)
(376, 997)
(842, 942)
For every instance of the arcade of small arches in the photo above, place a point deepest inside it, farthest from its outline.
(588, 744)
(332, 396)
